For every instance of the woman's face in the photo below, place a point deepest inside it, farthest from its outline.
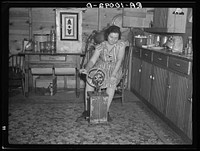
(113, 38)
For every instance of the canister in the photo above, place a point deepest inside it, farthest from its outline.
(163, 40)
(36, 46)
(157, 40)
(41, 38)
(150, 40)
(42, 46)
(189, 45)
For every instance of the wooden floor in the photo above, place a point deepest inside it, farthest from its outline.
(42, 119)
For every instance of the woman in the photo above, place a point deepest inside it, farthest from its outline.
(107, 56)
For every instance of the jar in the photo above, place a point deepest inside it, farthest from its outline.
(36, 46)
(150, 40)
(53, 40)
(42, 46)
(189, 45)
(52, 36)
(157, 40)
(48, 46)
(51, 88)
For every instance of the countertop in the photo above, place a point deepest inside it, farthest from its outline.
(169, 53)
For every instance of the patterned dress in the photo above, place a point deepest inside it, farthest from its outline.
(107, 62)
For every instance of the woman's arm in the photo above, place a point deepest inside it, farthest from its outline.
(94, 57)
(120, 57)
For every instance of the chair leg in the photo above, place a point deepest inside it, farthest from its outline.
(122, 90)
(23, 85)
(122, 96)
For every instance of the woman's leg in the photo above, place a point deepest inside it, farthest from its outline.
(87, 88)
(110, 91)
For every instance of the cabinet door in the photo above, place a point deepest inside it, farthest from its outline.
(135, 74)
(158, 90)
(176, 22)
(160, 18)
(176, 97)
(187, 127)
(146, 75)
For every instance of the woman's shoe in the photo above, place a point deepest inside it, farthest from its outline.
(83, 116)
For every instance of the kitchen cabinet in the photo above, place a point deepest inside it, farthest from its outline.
(176, 97)
(165, 20)
(165, 83)
(138, 18)
(146, 76)
(159, 82)
(187, 125)
(135, 74)
(179, 95)
(158, 90)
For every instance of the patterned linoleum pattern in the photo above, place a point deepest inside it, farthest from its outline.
(40, 120)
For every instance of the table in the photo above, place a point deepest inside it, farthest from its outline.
(51, 60)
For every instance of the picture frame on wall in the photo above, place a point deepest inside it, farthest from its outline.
(69, 26)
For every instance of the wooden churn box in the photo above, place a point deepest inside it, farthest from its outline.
(97, 103)
(47, 82)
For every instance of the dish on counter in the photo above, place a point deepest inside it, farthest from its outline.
(157, 48)
(151, 45)
(144, 46)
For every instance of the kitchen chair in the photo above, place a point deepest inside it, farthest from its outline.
(16, 72)
(95, 38)
(119, 92)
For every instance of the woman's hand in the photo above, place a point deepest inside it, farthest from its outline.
(113, 80)
(83, 71)
(99, 47)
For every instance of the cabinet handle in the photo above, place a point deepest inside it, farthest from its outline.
(139, 70)
(153, 78)
(177, 64)
(150, 76)
(160, 59)
(190, 100)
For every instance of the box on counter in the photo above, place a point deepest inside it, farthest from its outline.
(47, 82)
(97, 106)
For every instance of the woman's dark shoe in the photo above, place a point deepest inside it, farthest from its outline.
(109, 118)
(83, 116)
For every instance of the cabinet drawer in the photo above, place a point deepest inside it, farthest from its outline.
(33, 57)
(146, 55)
(160, 59)
(136, 52)
(179, 65)
(52, 58)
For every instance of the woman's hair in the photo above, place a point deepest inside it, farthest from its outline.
(112, 29)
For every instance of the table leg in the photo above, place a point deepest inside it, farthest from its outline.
(77, 76)
(77, 83)
(26, 82)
